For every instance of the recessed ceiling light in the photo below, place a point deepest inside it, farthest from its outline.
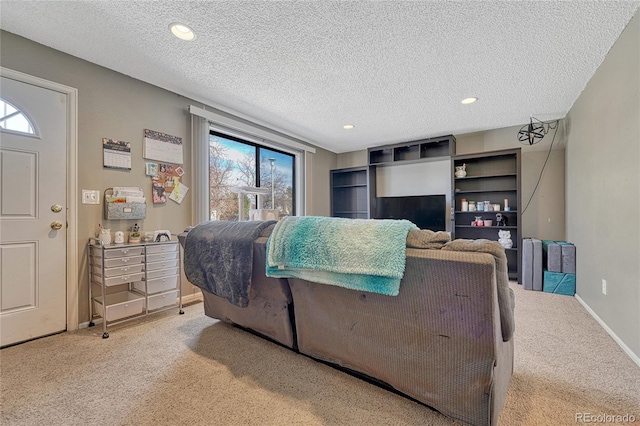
(182, 31)
(348, 126)
(469, 101)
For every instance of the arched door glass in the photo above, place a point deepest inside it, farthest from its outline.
(11, 118)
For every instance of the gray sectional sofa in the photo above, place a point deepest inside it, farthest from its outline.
(446, 340)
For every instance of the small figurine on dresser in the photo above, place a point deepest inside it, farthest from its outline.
(505, 238)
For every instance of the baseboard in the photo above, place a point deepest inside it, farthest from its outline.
(635, 358)
(192, 298)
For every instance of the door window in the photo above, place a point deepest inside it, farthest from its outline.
(11, 118)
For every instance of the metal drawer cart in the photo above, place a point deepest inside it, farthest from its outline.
(134, 280)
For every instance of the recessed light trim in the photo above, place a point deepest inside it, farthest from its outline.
(468, 101)
(348, 126)
(182, 31)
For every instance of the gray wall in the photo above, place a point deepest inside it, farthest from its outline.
(113, 105)
(603, 188)
(318, 186)
(544, 218)
(545, 215)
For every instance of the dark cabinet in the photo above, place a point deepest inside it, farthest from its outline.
(350, 193)
(492, 179)
(416, 151)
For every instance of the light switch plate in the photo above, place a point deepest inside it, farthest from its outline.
(90, 196)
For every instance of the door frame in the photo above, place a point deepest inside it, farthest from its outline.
(72, 270)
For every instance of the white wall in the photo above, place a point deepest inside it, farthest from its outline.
(429, 178)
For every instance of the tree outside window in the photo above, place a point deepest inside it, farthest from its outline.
(237, 163)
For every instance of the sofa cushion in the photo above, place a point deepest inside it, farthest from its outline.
(505, 294)
(427, 239)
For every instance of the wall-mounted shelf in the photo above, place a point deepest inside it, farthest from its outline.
(414, 151)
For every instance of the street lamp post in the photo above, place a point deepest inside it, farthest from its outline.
(273, 201)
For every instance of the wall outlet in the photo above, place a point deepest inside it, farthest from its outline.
(604, 287)
(90, 196)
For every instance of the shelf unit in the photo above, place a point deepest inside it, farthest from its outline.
(134, 280)
(353, 190)
(421, 151)
(350, 193)
(415, 151)
(491, 176)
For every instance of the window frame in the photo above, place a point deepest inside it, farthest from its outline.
(35, 133)
(257, 144)
(203, 120)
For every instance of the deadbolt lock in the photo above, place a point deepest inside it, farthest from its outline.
(56, 208)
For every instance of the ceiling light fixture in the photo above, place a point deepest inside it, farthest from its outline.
(468, 101)
(182, 31)
(348, 126)
(533, 132)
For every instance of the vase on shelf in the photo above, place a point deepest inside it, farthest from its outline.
(461, 171)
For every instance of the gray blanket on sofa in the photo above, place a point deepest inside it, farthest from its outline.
(218, 257)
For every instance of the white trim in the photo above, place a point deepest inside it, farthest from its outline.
(243, 129)
(199, 164)
(192, 298)
(635, 358)
(72, 185)
(257, 130)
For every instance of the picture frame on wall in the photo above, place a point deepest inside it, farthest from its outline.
(152, 169)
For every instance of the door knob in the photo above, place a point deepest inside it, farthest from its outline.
(56, 225)
(56, 208)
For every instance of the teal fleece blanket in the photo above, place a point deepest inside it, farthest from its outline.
(359, 254)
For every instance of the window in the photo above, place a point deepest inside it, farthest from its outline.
(235, 163)
(11, 118)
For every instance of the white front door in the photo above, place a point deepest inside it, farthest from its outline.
(32, 208)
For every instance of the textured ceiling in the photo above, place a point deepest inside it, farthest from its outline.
(397, 70)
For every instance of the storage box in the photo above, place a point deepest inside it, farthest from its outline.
(119, 252)
(161, 273)
(568, 259)
(159, 257)
(163, 299)
(119, 261)
(532, 264)
(552, 253)
(162, 265)
(119, 305)
(157, 285)
(120, 279)
(559, 283)
(120, 270)
(162, 248)
(114, 211)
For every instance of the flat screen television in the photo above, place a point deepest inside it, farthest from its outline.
(426, 211)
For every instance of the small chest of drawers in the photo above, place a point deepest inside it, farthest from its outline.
(127, 281)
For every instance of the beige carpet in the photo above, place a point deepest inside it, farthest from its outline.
(172, 369)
